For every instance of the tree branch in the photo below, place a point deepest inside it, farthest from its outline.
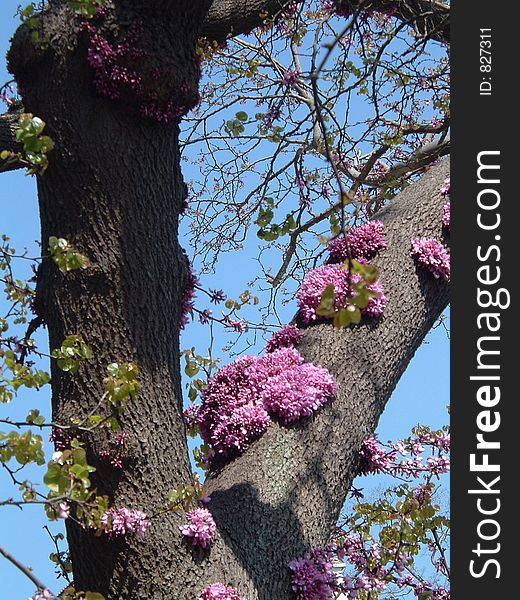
(25, 570)
(285, 493)
(429, 18)
(228, 18)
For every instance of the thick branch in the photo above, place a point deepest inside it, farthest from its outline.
(429, 18)
(286, 492)
(228, 18)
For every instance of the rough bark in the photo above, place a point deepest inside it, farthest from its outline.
(114, 190)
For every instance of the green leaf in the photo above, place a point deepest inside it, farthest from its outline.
(326, 306)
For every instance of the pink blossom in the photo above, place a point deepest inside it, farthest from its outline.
(121, 438)
(45, 594)
(364, 242)
(188, 297)
(63, 510)
(445, 188)
(120, 521)
(312, 577)
(191, 416)
(232, 415)
(238, 326)
(238, 402)
(287, 336)
(200, 529)
(432, 255)
(298, 392)
(314, 283)
(376, 304)
(291, 77)
(446, 216)
(219, 591)
(374, 458)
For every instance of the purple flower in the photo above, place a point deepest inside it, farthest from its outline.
(239, 326)
(374, 458)
(63, 510)
(200, 529)
(376, 304)
(314, 283)
(120, 521)
(237, 402)
(217, 296)
(446, 216)
(364, 243)
(432, 255)
(291, 78)
(188, 297)
(288, 336)
(231, 414)
(45, 594)
(298, 392)
(205, 316)
(219, 591)
(191, 416)
(312, 577)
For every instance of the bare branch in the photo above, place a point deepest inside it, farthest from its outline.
(25, 570)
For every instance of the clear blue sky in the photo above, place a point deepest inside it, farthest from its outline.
(421, 396)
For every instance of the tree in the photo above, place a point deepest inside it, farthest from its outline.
(114, 190)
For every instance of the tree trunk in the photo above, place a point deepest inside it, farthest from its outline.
(114, 190)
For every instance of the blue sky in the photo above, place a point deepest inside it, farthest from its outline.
(421, 396)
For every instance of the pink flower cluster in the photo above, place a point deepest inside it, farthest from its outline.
(315, 282)
(446, 216)
(312, 577)
(291, 78)
(110, 77)
(191, 416)
(287, 337)
(219, 591)
(238, 403)
(114, 79)
(445, 188)
(376, 458)
(120, 521)
(426, 589)
(188, 296)
(364, 243)
(432, 255)
(366, 558)
(200, 529)
(45, 594)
